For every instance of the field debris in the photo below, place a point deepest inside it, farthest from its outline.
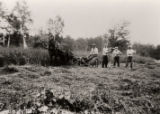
(79, 90)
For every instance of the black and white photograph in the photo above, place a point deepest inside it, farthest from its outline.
(79, 57)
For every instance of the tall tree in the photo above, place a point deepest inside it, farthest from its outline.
(118, 36)
(55, 27)
(21, 11)
(6, 23)
(1, 18)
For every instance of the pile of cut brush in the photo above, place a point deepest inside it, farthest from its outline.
(99, 101)
(46, 103)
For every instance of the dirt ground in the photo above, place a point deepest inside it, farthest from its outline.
(81, 90)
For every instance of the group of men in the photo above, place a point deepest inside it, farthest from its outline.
(115, 53)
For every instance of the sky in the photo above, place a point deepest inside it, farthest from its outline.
(91, 18)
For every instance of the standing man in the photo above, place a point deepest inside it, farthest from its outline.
(116, 54)
(105, 56)
(130, 53)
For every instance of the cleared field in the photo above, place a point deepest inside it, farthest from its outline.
(82, 89)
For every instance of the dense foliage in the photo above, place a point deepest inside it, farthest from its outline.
(147, 50)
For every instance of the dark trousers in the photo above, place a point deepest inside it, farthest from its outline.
(129, 61)
(116, 61)
(104, 61)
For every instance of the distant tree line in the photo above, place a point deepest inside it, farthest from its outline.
(117, 36)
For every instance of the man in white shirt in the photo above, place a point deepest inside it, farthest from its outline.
(130, 53)
(93, 52)
(105, 56)
(116, 54)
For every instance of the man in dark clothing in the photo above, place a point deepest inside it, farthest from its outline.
(116, 54)
(116, 60)
(130, 53)
(105, 57)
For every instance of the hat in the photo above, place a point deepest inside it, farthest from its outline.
(130, 46)
(116, 48)
(93, 44)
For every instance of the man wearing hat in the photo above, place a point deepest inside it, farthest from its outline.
(105, 56)
(130, 53)
(116, 54)
(93, 52)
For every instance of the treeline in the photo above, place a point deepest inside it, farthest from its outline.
(116, 36)
(84, 44)
(147, 50)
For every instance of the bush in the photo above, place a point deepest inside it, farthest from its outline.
(147, 50)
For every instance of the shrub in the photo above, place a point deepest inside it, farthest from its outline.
(147, 50)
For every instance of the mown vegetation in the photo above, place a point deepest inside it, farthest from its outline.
(77, 89)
